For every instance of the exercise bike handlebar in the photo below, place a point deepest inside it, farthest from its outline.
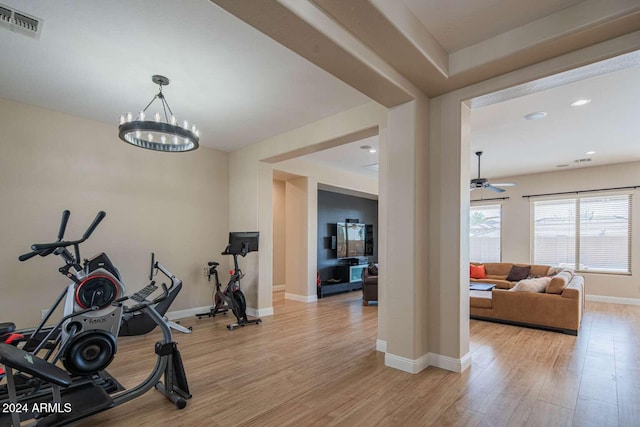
(38, 247)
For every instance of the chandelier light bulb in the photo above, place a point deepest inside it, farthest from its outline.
(175, 140)
(193, 129)
(142, 115)
(121, 120)
(129, 117)
(150, 137)
(185, 124)
(163, 139)
(138, 134)
(157, 117)
(174, 121)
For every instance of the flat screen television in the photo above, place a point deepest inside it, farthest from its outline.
(350, 239)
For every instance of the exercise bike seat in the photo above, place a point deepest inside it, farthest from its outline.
(7, 327)
(14, 357)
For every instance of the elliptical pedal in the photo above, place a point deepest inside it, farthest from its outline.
(143, 293)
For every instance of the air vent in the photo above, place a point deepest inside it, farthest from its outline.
(580, 161)
(20, 22)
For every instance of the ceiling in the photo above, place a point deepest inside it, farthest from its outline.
(459, 24)
(242, 85)
(95, 59)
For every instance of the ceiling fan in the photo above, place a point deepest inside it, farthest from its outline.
(480, 183)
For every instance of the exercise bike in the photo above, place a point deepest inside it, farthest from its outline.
(84, 340)
(219, 300)
(232, 297)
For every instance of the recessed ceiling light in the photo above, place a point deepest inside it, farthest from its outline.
(590, 152)
(373, 150)
(365, 147)
(580, 102)
(536, 115)
(562, 166)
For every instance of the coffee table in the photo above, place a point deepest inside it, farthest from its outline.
(478, 286)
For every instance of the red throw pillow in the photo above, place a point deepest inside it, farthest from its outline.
(477, 271)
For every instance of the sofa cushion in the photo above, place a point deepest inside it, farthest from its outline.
(559, 282)
(480, 299)
(539, 270)
(532, 285)
(477, 271)
(498, 268)
(518, 273)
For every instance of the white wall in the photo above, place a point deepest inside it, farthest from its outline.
(516, 242)
(175, 204)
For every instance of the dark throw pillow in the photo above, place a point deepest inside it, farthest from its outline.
(518, 273)
(373, 270)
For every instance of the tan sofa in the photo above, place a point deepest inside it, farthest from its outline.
(558, 307)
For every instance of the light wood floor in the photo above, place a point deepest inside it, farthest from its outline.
(316, 365)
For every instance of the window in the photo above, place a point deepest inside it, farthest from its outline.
(591, 234)
(484, 233)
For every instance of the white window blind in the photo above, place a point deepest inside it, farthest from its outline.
(591, 233)
(484, 233)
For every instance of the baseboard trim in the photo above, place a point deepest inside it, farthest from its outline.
(412, 366)
(278, 288)
(381, 345)
(189, 312)
(450, 363)
(301, 298)
(613, 300)
(262, 312)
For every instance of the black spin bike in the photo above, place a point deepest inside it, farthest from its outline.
(231, 297)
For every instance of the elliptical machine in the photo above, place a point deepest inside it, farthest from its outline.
(240, 243)
(84, 340)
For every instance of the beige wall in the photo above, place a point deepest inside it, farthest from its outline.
(173, 204)
(296, 211)
(279, 221)
(516, 242)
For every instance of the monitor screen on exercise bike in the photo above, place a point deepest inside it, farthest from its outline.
(238, 239)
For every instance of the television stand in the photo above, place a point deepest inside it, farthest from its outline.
(350, 280)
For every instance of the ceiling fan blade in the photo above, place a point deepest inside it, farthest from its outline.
(505, 184)
(496, 189)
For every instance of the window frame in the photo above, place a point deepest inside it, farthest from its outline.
(577, 199)
(486, 204)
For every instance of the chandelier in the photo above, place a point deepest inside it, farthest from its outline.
(154, 133)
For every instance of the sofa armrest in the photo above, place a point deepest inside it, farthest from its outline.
(575, 288)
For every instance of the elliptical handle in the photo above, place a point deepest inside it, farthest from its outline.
(153, 265)
(94, 224)
(25, 257)
(63, 224)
